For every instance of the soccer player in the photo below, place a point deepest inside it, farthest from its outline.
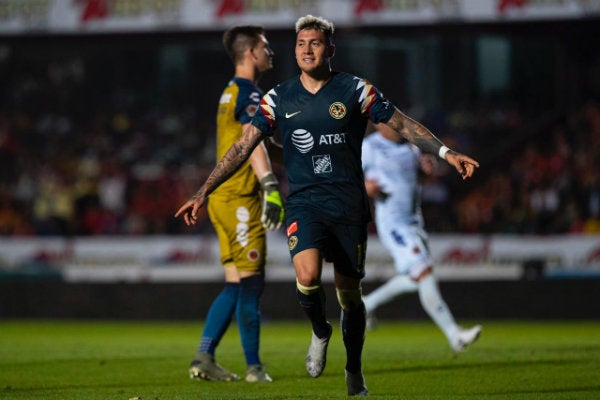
(391, 167)
(238, 213)
(321, 117)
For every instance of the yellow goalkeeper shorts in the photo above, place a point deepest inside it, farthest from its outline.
(242, 238)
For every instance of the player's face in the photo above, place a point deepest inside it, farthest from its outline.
(312, 50)
(263, 54)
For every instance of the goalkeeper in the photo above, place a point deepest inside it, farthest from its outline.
(240, 210)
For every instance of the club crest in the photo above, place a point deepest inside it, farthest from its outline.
(337, 110)
(293, 242)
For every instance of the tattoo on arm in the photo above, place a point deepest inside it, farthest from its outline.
(415, 132)
(237, 154)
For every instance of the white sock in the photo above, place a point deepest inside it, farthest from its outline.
(385, 293)
(434, 305)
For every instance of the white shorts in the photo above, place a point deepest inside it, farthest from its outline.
(408, 247)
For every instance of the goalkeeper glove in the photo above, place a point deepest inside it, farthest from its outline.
(272, 210)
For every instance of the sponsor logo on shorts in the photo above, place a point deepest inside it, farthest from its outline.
(292, 228)
(337, 110)
(242, 228)
(253, 254)
(322, 164)
(293, 242)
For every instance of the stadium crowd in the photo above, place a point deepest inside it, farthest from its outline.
(71, 166)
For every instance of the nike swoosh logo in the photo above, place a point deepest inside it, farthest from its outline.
(292, 114)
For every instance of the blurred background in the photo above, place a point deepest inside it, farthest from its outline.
(107, 124)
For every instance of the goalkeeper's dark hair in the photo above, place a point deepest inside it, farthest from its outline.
(240, 38)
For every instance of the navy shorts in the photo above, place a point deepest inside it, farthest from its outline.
(345, 245)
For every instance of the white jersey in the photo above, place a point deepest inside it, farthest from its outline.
(395, 166)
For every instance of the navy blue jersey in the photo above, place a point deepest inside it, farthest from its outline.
(322, 135)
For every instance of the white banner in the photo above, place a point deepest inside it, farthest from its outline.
(109, 16)
(196, 258)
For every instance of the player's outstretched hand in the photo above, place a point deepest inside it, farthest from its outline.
(190, 209)
(464, 165)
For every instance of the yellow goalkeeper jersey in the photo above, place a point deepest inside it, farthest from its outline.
(237, 106)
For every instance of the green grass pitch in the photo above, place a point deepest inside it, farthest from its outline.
(402, 360)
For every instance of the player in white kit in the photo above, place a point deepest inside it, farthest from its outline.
(391, 166)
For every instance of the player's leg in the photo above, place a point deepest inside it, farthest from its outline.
(306, 236)
(432, 300)
(249, 252)
(221, 311)
(438, 310)
(348, 255)
(420, 270)
(409, 253)
(204, 366)
(408, 245)
(248, 319)
(311, 297)
(393, 288)
(435, 306)
(223, 307)
(353, 324)
(396, 286)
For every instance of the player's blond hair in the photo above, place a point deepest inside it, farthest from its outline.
(317, 23)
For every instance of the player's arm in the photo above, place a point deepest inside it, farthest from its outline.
(259, 158)
(374, 190)
(272, 208)
(416, 133)
(372, 186)
(237, 154)
(428, 164)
